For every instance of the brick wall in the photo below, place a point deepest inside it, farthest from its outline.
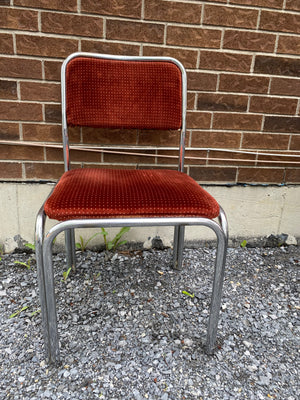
(243, 65)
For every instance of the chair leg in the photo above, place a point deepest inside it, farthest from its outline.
(53, 340)
(70, 248)
(178, 246)
(39, 235)
(217, 285)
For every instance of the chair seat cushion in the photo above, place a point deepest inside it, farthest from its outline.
(111, 193)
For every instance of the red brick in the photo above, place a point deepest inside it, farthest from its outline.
(225, 61)
(9, 131)
(159, 10)
(4, 2)
(75, 155)
(109, 136)
(197, 80)
(195, 157)
(230, 158)
(194, 37)
(279, 21)
(198, 120)
(6, 43)
(98, 46)
(277, 65)
(295, 142)
(214, 174)
(52, 70)
(289, 45)
(187, 57)
(292, 5)
(79, 25)
(220, 139)
(191, 98)
(18, 152)
(10, 170)
(45, 46)
(18, 19)
(266, 141)
(278, 161)
(260, 3)
(285, 86)
(8, 90)
(20, 111)
(49, 171)
(282, 124)
(48, 133)
(20, 68)
(159, 138)
(237, 121)
(170, 157)
(120, 8)
(247, 40)
(39, 132)
(260, 175)
(230, 16)
(135, 31)
(292, 175)
(221, 102)
(52, 113)
(40, 91)
(243, 83)
(273, 105)
(135, 158)
(66, 5)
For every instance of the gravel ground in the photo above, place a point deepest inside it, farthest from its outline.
(128, 332)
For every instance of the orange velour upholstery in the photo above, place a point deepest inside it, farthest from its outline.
(108, 193)
(120, 94)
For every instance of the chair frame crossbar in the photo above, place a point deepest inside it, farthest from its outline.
(44, 242)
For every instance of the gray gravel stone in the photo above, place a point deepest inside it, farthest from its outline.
(127, 330)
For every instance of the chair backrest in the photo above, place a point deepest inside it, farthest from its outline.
(123, 92)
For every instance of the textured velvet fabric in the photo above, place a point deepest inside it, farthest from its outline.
(118, 94)
(108, 193)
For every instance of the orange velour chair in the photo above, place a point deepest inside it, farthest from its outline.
(124, 92)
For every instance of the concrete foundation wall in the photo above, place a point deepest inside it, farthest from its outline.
(252, 211)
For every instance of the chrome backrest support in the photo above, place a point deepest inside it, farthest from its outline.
(65, 135)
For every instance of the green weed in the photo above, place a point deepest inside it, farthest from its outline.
(192, 295)
(116, 241)
(81, 245)
(23, 264)
(66, 274)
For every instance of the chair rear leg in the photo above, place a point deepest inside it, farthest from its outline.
(70, 248)
(178, 246)
(216, 292)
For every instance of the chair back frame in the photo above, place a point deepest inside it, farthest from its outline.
(65, 135)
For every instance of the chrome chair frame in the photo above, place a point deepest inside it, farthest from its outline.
(44, 242)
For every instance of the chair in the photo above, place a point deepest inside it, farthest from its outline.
(124, 92)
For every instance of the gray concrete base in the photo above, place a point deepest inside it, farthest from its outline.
(252, 212)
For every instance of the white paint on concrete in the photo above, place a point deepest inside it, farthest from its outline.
(252, 212)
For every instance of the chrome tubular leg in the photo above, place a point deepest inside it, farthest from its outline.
(178, 246)
(51, 302)
(39, 236)
(217, 289)
(70, 248)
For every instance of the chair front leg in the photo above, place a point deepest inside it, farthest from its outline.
(39, 237)
(217, 289)
(53, 340)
